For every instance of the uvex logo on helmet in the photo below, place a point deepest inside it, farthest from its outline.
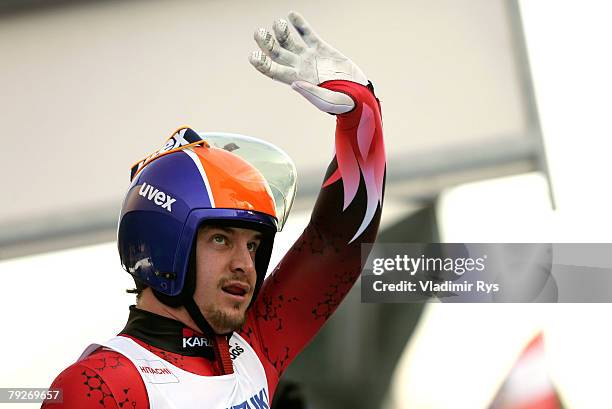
(155, 195)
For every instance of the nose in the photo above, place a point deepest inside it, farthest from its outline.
(242, 262)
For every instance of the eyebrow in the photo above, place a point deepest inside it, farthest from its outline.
(231, 230)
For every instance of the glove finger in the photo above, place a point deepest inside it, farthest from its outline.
(265, 40)
(285, 38)
(266, 66)
(304, 30)
(326, 100)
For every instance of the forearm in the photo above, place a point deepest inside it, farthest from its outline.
(355, 178)
(322, 266)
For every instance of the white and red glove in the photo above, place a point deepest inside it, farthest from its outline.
(305, 65)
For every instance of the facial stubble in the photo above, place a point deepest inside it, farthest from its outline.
(218, 318)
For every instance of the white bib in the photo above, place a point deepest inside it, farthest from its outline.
(170, 387)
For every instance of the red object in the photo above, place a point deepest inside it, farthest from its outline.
(528, 385)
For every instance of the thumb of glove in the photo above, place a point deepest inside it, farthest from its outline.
(326, 100)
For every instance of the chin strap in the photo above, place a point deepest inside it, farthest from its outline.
(222, 354)
(220, 341)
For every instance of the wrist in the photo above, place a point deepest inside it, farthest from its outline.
(359, 93)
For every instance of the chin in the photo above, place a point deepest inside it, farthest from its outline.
(223, 321)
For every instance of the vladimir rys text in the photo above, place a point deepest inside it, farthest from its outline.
(434, 287)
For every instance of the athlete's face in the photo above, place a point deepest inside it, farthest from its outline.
(226, 276)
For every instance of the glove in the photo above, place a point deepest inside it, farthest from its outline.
(305, 65)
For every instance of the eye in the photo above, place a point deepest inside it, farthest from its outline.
(219, 239)
(252, 246)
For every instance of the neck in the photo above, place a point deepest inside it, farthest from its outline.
(148, 302)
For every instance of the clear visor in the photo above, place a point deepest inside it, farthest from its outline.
(275, 165)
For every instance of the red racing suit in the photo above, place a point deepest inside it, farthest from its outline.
(295, 300)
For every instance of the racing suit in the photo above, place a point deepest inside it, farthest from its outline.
(295, 301)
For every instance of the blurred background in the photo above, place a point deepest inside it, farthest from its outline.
(497, 127)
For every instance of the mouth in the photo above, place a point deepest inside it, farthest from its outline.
(236, 289)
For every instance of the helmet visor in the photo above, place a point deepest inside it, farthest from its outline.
(275, 165)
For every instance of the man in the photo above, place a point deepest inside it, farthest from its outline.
(196, 233)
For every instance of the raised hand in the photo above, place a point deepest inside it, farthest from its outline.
(306, 63)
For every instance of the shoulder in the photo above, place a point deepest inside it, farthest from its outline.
(105, 379)
(250, 333)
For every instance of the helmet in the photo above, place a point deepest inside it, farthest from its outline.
(195, 179)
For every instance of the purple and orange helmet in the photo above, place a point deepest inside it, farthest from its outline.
(194, 179)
